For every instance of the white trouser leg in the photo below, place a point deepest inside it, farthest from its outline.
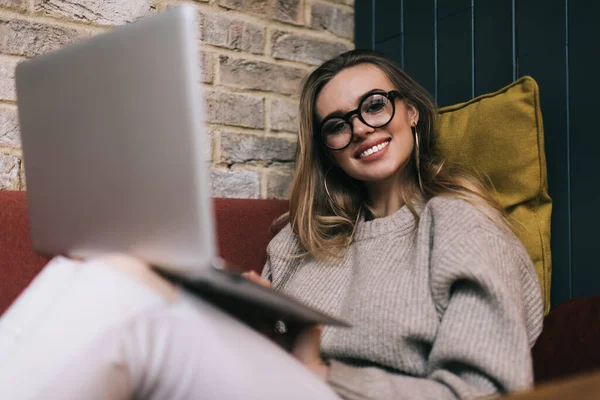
(193, 349)
(90, 331)
(66, 308)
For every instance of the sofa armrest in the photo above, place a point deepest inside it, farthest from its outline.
(569, 343)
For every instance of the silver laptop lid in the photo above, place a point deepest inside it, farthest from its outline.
(113, 145)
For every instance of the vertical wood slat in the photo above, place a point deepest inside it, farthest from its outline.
(391, 48)
(419, 42)
(472, 6)
(364, 35)
(402, 31)
(541, 35)
(436, 57)
(514, 39)
(388, 30)
(584, 89)
(454, 51)
(387, 22)
(493, 33)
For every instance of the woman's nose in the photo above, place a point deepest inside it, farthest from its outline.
(360, 128)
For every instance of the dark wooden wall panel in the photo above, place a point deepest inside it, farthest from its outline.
(541, 38)
(458, 49)
(388, 29)
(419, 42)
(388, 22)
(494, 66)
(364, 35)
(392, 48)
(454, 52)
(584, 91)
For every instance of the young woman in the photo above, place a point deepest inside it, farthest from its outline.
(443, 299)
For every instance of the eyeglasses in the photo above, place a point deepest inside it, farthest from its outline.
(376, 109)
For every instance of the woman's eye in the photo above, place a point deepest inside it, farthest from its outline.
(375, 106)
(337, 127)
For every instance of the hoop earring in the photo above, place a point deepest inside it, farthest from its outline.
(331, 200)
(413, 128)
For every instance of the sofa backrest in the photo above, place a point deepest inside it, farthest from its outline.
(243, 230)
(19, 264)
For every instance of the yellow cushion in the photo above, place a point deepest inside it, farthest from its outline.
(501, 134)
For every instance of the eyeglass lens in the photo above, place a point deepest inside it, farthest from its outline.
(375, 111)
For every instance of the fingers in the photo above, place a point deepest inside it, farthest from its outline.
(308, 345)
(307, 350)
(254, 277)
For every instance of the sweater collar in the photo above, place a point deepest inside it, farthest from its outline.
(401, 222)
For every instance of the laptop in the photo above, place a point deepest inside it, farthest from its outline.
(114, 149)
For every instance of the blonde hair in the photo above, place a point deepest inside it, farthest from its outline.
(325, 224)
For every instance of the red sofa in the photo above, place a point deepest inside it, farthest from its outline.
(569, 343)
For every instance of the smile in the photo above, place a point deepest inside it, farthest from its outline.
(374, 149)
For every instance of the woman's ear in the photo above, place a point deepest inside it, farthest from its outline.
(332, 158)
(328, 155)
(413, 114)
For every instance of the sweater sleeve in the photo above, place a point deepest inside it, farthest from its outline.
(490, 309)
(281, 261)
(266, 271)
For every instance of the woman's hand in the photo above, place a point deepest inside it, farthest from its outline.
(254, 277)
(306, 344)
(307, 349)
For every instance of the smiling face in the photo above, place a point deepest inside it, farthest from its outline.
(375, 155)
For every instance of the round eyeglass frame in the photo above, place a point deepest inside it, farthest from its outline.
(392, 95)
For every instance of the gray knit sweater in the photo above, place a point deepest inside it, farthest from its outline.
(444, 310)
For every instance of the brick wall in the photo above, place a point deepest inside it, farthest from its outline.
(254, 55)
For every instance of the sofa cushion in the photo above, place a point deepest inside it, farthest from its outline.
(501, 135)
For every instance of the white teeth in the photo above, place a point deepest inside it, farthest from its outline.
(373, 149)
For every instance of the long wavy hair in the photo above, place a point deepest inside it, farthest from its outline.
(325, 224)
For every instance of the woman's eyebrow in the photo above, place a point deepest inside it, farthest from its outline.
(341, 113)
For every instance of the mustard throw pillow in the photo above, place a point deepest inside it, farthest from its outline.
(501, 134)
